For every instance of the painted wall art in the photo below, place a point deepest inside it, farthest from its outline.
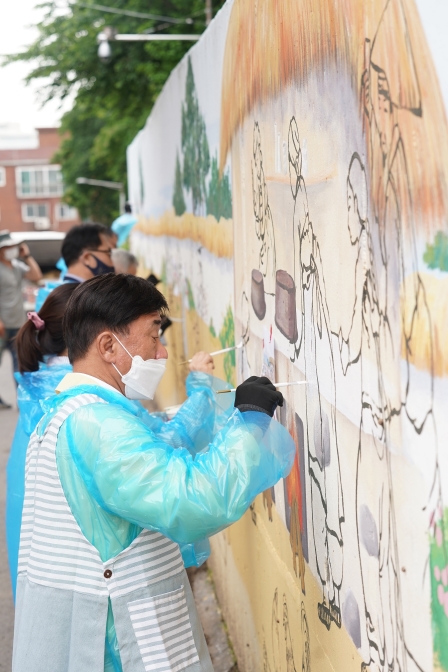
(291, 184)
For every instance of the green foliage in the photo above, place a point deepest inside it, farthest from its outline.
(439, 595)
(111, 101)
(191, 303)
(163, 275)
(75, 157)
(219, 199)
(436, 255)
(227, 338)
(195, 149)
(196, 163)
(212, 328)
(178, 196)
(126, 246)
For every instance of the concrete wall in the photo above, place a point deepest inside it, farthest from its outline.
(291, 183)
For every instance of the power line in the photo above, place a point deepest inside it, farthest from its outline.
(137, 15)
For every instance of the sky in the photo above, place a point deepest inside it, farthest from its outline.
(19, 103)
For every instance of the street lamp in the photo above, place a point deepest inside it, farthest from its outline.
(109, 34)
(117, 186)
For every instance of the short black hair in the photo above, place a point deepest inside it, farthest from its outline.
(80, 238)
(108, 301)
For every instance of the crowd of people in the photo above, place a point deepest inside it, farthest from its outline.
(107, 504)
(88, 250)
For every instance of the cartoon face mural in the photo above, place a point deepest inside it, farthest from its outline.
(334, 140)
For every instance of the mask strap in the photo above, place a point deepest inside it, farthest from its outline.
(124, 348)
(117, 370)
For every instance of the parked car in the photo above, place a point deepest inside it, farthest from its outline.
(45, 246)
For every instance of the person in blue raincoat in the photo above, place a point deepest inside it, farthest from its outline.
(111, 492)
(43, 362)
(124, 224)
(86, 252)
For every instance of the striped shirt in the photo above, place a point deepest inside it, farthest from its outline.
(157, 628)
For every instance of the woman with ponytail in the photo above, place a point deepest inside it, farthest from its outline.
(43, 362)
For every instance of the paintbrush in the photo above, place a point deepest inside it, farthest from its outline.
(296, 382)
(218, 352)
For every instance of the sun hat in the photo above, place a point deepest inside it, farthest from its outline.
(6, 240)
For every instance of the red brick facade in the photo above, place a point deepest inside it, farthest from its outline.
(31, 188)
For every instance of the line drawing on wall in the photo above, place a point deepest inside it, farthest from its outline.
(376, 523)
(313, 341)
(281, 639)
(333, 131)
(387, 254)
(302, 317)
(263, 278)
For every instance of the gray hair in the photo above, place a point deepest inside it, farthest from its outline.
(123, 260)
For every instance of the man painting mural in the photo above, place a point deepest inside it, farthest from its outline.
(355, 82)
(111, 492)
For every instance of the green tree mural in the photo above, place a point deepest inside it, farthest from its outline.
(227, 338)
(195, 148)
(191, 303)
(436, 255)
(219, 198)
(178, 196)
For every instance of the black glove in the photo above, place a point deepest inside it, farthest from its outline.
(258, 394)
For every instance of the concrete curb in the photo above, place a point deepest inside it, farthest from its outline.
(221, 653)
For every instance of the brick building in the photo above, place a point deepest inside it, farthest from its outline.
(31, 188)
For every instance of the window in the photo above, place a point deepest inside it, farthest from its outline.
(39, 181)
(64, 212)
(2, 176)
(31, 211)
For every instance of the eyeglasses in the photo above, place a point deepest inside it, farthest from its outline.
(108, 251)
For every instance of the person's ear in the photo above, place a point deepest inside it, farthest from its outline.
(107, 347)
(86, 258)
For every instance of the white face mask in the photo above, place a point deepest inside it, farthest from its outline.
(11, 253)
(142, 379)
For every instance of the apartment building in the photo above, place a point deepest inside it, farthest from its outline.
(31, 186)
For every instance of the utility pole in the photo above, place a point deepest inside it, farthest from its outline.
(208, 12)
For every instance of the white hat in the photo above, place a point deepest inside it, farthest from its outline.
(6, 240)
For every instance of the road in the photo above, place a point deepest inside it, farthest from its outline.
(8, 421)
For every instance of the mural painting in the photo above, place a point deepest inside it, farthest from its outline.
(185, 233)
(315, 133)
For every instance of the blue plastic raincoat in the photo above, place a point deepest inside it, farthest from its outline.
(123, 226)
(123, 470)
(44, 292)
(33, 388)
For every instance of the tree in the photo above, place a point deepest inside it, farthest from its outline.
(227, 338)
(219, 198)
(436, 255)
(178, 195)
(76, 158)
(195, 149)
(111, 101)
